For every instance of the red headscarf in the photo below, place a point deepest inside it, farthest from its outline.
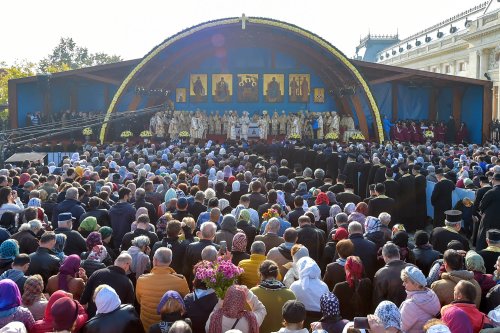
(353, 270)
(234, 308)
(340, 234)
(322, 198)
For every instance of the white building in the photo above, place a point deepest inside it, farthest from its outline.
(467, 44)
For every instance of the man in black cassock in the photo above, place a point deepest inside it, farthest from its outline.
(351, 170)
(420, 197)
(364, 172)
(373, 170)
(407, 207)
(381, 203)
(490, 208)
(441, 236)
(492, 252)
(441, 197)
(392, 191)
(450, 130)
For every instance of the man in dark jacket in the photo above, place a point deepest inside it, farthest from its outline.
(365, 249)
(197, 207)
(69, 205)
(75, 243)
(492, 252)
(407, 207)
(387, 283)
(440, 237)
(420, 197)
(441, 197)
(171, 241)
(140, 201)
(193, 250)
(95, 210)
(351, 170)
(114, 276)
(425, 255)
(293, 216)
(42, 261)
(339, 185)
(256, 199)
(141, 230)
(490, 208)
(381, 203)
(311, 237)
(348, 196)
(122, 214)
(364, 173)
(26, 237)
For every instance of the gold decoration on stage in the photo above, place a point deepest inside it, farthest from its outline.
(180, 95)
(222, 88)
(198, 88)
(299, 87)
(319, 95)
(273, 87)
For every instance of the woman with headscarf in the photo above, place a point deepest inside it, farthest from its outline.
(245, 224)
(334, 272)
(285, 208)
(475, 263)
(239, 248)
(360, 213)
(373, 232)
(9, 250)
(58, 249)
(46, 324)
(228, 172)
(273, 294)
(112, 316)
(349, 208)
(71, 278)
(309, 287)
(166, 206)
(355, 293)
(95, 260)
(330, 220)
(331, 321)
(10, 306)
(171, 309)
(389, 315)
(227, 231)
(236, 193)
(141, 211)
(456, 319)
(231, 314)
(298, 251)
(302, 191)
(33, 297)
(323, 204)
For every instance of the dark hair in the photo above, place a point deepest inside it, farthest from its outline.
(268, 268)
(123, 192)
(341, 178)
(453, 259)
(380, 188)
(298, 201)
(94, 202)
(21, 259)
(30, 213)
(272, 196)
(290, 235)
(173, 228)
(467, 289)
(4, 195)
(47, 236)
(213, 202)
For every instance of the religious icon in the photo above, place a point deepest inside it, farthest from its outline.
(248, 87)
(273, 87)
(299, 88)
(180, 95)
(222, 87)
(198, 89)
(319, 95)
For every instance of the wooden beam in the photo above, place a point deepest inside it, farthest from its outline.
(390, 78)
(13, 111)
(99, 78)
(395, 108)
(363, 124)
(487, 113)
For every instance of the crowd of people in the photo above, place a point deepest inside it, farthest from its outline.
(329, 238)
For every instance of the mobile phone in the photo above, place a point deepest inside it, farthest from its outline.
(361, 323)
(223, 246)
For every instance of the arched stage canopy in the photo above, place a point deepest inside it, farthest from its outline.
(261, 48)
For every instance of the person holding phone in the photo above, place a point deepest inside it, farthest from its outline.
(10, 202)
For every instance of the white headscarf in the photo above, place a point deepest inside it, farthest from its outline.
(308, 270)
(107, 300)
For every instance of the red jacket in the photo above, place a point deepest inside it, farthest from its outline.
(45, 325)
(477, 318)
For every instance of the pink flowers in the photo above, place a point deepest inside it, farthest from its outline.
(219, 275)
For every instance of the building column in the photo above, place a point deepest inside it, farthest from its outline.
(473, 68)
(485, 61)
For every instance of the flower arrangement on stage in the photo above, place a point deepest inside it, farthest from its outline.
(294, 137)
(219, 275)
(184, 134)
(87, 131)
(270, 214)
(332, 136)
(146, 134)
(126, 134)
(357, 137)
(429, 134)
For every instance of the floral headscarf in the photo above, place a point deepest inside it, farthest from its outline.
(330, 306)
(372, 224)
(33, 290)
(99, 253)
(239, 242)
(389, 314)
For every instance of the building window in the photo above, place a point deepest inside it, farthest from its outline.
(447, 69)
(462, 67)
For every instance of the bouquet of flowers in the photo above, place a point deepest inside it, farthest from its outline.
(146, 134)
(184, 134)
(87, 131)
(332, 136)
(429, 134)
(126, 134)
(219, 275)
(294, 137)
(357, 136)
(270, 214)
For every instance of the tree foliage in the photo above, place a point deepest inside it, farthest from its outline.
(18, 70)
(68, 55)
